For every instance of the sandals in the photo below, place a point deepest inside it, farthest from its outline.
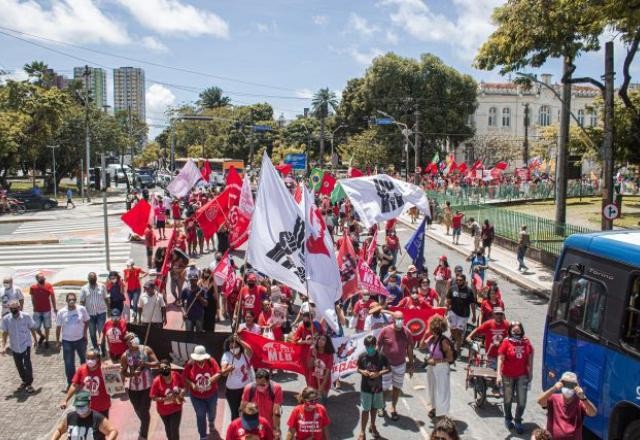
(432, 413)
(374, 431)
(362, 436)
(394, 416)
(381, 412)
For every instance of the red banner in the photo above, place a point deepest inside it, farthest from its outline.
(214, 214)
(523, 174)
(327, 184)
(225, 271)
(206, 170)
(417, 320)
(347, 264)
(137, 218)
(276, 355)
(369, 280)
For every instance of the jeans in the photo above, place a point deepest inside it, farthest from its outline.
(172, 425)
(134, 296)
(234, 397)
(69, 349)
(520, 255)
(205, 409)
(191, 325)
(23, 364)
(96, 324)
(519, 386)
(141, 403)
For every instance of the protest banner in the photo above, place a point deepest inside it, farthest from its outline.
(276, 355)
(112, 379)
(348, 349)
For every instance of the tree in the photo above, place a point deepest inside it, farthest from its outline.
(212, 97)
(323, 103)
(365, 149)
(40, 71)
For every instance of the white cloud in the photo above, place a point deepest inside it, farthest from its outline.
(320, 20)
(154, 44)
(364, 58)
(392, 37)
(175, 17)
(158, 98)
(304, 93)
(361, 26)
(18, 75)
(466, 31)
(263, 27)
(78, 21)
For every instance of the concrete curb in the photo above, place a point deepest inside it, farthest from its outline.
(25, 219)
(28, 242)
(531, 286)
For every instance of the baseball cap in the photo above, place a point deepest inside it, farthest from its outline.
(116, 312)
(498, 310)
(569, 376)
(412, 269)
(252, 277)
(443, 258)
(458, 268)
(82, 399)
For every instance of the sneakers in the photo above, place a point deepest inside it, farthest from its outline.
(519, 428)
(509, 424)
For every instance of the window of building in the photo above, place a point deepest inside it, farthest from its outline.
(631, 317)
(581, 117)
(544, 116)
(506, 117)
(593, 118)
(582, 303)
(493, 117)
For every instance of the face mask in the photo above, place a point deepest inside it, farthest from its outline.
(371, 351)
(261, 388)
(41, 281)
(83, 412)
(235, 350)
(307, 324)
(517, 336)
(365, 297)
(251, 284)
(165, 371)
(398, 323)
(392, 285)
(309, 406)
(414, 295)
(71, 302)
(15, 312)
(113, 280)
(7, 285)
(91, 363)
(568, 393)
(250, 422)
(92, 280)
(135, 341)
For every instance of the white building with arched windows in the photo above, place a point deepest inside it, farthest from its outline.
(500, 114)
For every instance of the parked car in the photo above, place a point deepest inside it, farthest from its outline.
(33, 201)
(163, 179)
(145, 181)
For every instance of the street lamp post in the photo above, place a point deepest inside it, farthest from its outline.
(406, 132)
(333, 133)
(55, 184)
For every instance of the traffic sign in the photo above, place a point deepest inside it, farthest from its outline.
(261, 128)
(384, 121)
(610, 211)
(299, 161)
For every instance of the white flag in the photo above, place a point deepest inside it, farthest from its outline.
(379, 198)
(184, 181)
(325, 286)
(276, 241)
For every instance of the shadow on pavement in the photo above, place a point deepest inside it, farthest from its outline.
(344, 407)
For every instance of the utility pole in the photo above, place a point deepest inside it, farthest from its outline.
(103, 187)
(607, 144)
(133, 168)
(416, 130)
(55, 183)
(87, 75)
(561, 161)
(525, 145)
(172, 154)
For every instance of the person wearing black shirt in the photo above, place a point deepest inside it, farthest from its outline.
(461, 303)
(371, 366)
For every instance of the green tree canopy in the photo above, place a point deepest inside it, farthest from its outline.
(212, 97)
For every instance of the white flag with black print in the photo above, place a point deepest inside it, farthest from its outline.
(276, 240)
(381, 197)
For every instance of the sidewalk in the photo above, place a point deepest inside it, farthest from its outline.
(537, 278)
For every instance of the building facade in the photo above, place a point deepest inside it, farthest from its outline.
(500, 115)
(129, 91)
(96, 81)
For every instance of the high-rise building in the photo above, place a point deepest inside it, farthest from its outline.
(129, 91)
(97, 84)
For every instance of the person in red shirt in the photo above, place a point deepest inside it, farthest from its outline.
(167, 390)
(309, 419)
(361, 310)
(413, 301)
(43, 299)
(201, 375)
(114, 331)
(515, 371)
(306, 332)
(409, 281)
(456, 224)
(393, 243)
(132, 275)
(492, 285)
(176, 211)
(494, 331)
(566, 405)
(442, 274)
(267, 396)
(89, 377)
(319, 366)
(149, 243)
(250, 425)
(251, 295)
(489, 304)
(268, 321)
(425, 291)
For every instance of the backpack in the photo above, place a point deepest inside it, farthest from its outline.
(252, 392)
(453, 348)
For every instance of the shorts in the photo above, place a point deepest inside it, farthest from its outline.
(457, 322)
(160, 224)
(394, 378)
(41, 319)
(369, 401)
(457, 231)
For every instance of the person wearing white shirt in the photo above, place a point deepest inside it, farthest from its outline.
(152, 308)
(377, 318)
(72, 324)
(9, 292)
(94, 297)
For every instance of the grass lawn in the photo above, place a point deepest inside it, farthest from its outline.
(585, 212)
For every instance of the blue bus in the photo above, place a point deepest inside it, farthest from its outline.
(593, 328)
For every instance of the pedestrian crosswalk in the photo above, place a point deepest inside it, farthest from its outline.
(65, 226)
(64, 254)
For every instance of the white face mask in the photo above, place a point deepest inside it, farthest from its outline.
(398, 323)
(568, 393)
(365, 297)
(91, 363)
(7, 285)
(235, 350)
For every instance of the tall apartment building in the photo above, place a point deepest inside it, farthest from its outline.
(129, 91)
(97, 83)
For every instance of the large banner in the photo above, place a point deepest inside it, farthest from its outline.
(276, 355)
(417, 320)
(348, 349)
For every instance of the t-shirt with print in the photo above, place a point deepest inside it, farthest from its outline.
(201, 376)
(160, 388)
(309, 425)
(375, 363)
(72, 322)
(263, 399)
(92, 381)
(8, 295)
(241, 374)
(493, 334)
(360, 311)
(114, 332)
(236, 431)
(516, 356)
(252, 298)
(462, 300)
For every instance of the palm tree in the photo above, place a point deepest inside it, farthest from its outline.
(40, 71)
(323, 102)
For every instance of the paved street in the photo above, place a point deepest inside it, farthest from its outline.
(485, 423)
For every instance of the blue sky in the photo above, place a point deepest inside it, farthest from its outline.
(278, 51)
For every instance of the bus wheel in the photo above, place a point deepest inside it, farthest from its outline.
(632, 431)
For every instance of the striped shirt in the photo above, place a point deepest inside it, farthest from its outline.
(19, 330)
(142, 381)
(94, 298)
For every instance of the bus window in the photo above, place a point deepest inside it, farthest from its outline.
(631, 323)
(585, 304)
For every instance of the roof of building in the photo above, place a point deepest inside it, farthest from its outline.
(511, 88)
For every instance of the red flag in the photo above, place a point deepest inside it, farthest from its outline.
(462, 168)
(369, 281)
(348, 265)
(477, 165)
(137, 218)
(502, 165)
(215, 213)
(390, 224)
(327, 184)
(284, 168)
(476, 280)
(206, 171)
(234, 184)
(371, 251)
(297, 194)
(240, 216)
(495, 172)
(354, 172)
(417, 320)
(276, 355)
(225, 271)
